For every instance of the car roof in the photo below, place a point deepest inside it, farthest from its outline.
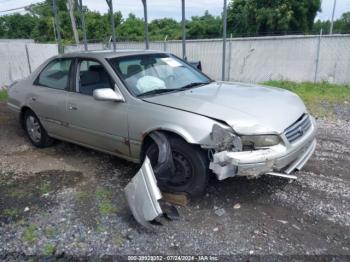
(103, 54)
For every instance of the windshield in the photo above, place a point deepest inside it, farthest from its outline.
(152, 74)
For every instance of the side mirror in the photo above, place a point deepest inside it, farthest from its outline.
(107, 94)
(196, 64)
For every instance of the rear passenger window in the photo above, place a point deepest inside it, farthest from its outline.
(56, 74)
(92, 76)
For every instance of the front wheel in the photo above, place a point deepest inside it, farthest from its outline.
(35, 131)
(191, 167)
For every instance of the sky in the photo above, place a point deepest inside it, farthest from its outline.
(172, 8)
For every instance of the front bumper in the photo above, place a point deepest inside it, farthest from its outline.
(285, 158)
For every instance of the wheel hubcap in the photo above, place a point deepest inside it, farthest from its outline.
(183, 170)
(33, 128)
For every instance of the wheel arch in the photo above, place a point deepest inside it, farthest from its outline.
(23, 110)
(169, 132)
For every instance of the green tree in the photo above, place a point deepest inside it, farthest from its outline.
(131, 29)
(160, 28)
(341, 25)
(206, 26)
(255, 17)
(17, 26)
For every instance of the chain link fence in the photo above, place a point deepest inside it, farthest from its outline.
(20, 58)
(250, 59)
(257, 59)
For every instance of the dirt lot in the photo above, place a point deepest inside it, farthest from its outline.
(68, 200)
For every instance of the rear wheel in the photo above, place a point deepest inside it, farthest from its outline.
(191, 167)
(35, 131)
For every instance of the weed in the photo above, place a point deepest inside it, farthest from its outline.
(11, 212)
(3, 95)
(118, 240)
(105, 205)
(49, 250)
(50, 231)
(45, 187)
(29, 235)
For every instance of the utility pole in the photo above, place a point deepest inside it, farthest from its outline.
(82, 18)
(70, 7)
(144, 2)
(318, 56)
(332, 21)
(111, 13)
(183, 22)
(58, 29)
(224, 36)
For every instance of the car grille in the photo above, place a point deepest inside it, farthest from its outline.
(298, 129)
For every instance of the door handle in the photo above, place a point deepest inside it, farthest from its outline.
(72, 107)
(33, 99)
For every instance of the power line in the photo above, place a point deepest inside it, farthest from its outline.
(19, 8)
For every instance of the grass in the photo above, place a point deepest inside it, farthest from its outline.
(105, 205)
(12, 212)
(49, 250)
(82, 195)
(3, 95)
(118, 240)
(320, 98)
(50, 232)
(29, 234)
(44, 187)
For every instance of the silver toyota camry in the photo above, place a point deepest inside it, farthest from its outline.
(152, 105)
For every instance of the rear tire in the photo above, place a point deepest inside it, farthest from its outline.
(191, 167)
(35, 131)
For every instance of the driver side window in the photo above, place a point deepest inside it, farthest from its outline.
(91, 76)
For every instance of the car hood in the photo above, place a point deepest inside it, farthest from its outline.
(248, 109)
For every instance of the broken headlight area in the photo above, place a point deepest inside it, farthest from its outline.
(225, 139)
(259, 141)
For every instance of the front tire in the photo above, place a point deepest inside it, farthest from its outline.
(191, 167)
(35, 131)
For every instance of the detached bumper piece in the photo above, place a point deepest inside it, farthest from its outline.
(143, 195)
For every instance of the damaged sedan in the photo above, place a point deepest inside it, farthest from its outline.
(152, 105)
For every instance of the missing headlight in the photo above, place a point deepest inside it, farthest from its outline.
(225, 139)
(260, 141)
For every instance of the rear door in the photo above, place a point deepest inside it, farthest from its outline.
(99, 124)
(49, 96)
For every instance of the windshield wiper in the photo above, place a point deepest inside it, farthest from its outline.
(158, 91)
(166, 90)
(194, 84)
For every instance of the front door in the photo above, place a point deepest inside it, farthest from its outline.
(100, 124)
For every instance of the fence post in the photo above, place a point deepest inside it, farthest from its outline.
(28, 60)
(111, 13)
(229, 59)
(165, 43)
(318, 55)
(183, 29)
(224, 41)
(145, 14)
(82, 18)
(58, 28)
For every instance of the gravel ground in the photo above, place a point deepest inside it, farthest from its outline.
(68, 201)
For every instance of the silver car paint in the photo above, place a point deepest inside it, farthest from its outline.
(248, 109)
